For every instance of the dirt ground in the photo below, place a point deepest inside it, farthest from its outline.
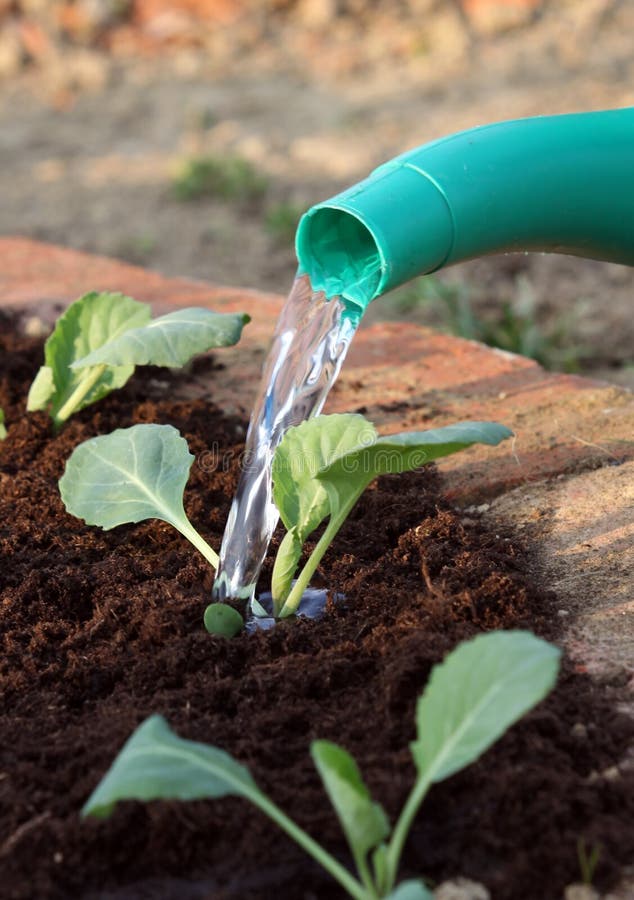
(99, 629)
(90, 143)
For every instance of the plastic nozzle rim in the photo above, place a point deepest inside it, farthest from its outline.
(340, 254)
(394, 225)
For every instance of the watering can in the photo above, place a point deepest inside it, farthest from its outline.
(562, 184)
(557, 184)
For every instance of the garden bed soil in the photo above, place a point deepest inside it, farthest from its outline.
(100, 629)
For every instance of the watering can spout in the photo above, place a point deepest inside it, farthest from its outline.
(560, 184)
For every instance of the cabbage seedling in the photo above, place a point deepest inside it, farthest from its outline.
(322, 467)
(101, 337)
(471, 699)
(133, 474)
(130, 475)
(320, 470)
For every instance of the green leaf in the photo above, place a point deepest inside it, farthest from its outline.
(87, 324)
(380, 864)
(352, 455)
(156, 764)
(3, 430)
(170, 340)
(363, 821)
(130, 475)
(480, 690)
(410, 450)
(41, 390)
(347, 476)
(410, 890)
(286, 560)
(300, 497)
(303, 452)
(476, 694)
(100, 339)
(402, 452)
(223, 620)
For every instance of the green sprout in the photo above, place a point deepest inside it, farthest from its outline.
(516, 328)
(320, 470)
(280, 221)
(588, 861)
(228, 178)
(322, 467)
(102, 337)
(130, 475)
(482, 688)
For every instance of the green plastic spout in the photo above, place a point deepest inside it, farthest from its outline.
(559, 184)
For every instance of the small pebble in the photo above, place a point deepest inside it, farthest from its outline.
(580, 892)
(579, 730)
(33, 326)
(461, 889)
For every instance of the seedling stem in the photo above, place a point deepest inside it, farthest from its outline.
(334, 524)
(84, 387)
(188, 531)
(402, 828)
(338, 872)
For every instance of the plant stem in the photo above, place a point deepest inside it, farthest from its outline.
(286, 560)
(401, 829)
(366, 878)
(187, 530)
(335, 523)
(83, 388)
(328, 862)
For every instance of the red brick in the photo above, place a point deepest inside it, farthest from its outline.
(402, 376)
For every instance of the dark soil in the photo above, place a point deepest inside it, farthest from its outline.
(101, 629)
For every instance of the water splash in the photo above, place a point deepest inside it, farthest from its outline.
(312, 606)
(309, 346)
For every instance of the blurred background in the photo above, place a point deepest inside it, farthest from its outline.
(188, 137)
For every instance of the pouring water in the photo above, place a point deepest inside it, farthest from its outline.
(309, 346)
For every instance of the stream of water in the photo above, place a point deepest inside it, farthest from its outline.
(309, 345)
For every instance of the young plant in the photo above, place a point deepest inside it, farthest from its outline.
(281, 221)
(588, 861)
(101, 337)
(134, 474)
(320, 470)
(471, 699)
(322, 467)
(130, 475)
(3, 430)
(226, 177)
(516, 328)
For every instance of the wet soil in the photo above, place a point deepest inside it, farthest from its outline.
(100, 629)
